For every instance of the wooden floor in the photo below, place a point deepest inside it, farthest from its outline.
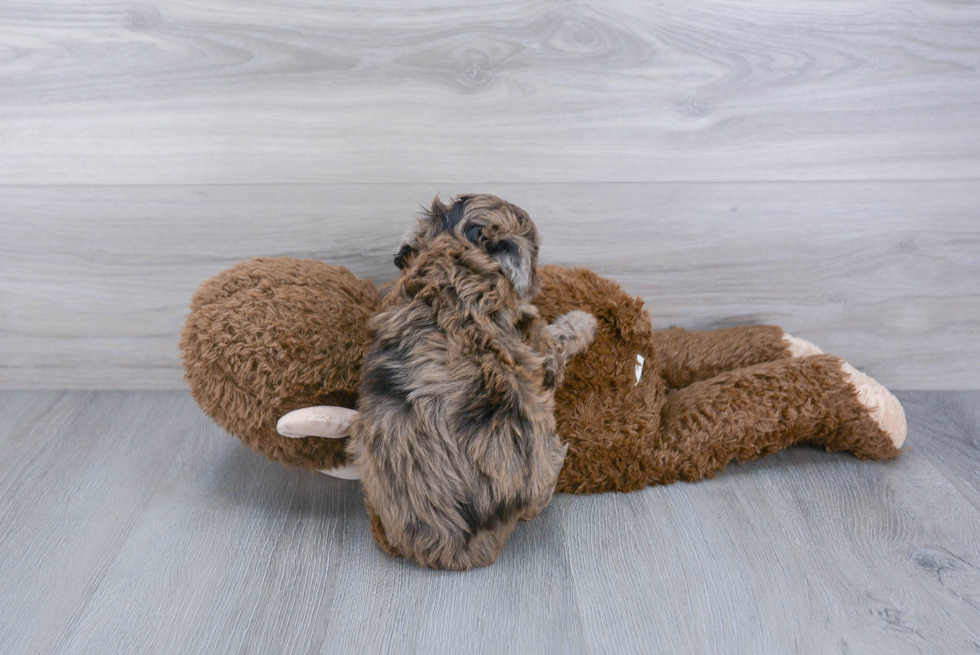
(129, 523)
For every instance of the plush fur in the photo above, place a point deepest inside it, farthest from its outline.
(704, 398)
(271, 335)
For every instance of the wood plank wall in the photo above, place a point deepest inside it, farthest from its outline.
(811, 164)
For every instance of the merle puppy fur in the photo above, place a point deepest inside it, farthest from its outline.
(456, 437)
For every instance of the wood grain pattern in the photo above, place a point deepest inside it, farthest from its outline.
(20, 409)
(95, 281)
(949, 444)
(731, 161)
(273, 91)
(73, 479)
(132, 524)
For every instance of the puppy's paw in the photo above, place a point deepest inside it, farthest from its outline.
(799, 347)
(880, 404)
(579, 327)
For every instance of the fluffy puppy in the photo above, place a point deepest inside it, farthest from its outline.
(456, 437)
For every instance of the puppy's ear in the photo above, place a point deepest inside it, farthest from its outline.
(402, 255)
(516, 261)
(429, 223)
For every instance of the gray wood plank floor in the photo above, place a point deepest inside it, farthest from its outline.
(130, 523)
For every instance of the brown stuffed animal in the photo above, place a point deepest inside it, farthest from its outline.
(639, 407)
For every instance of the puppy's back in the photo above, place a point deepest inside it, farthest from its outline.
(456, 437)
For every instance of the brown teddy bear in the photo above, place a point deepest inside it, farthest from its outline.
(639, 407)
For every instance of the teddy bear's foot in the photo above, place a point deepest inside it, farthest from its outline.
(800, 347)
(880, 403)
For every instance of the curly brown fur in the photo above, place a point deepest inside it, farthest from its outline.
(456, 437)
(686, 357)
(754, 411)
(605, 417)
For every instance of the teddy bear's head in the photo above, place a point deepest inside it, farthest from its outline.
(271, 335)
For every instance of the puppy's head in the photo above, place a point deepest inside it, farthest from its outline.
(501, 230)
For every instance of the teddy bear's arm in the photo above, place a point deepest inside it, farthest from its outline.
(321, 421)
(687, 356)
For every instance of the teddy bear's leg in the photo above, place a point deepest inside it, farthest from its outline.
(751, 412)
(686, 356)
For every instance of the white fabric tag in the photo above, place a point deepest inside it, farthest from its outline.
(639, 368)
